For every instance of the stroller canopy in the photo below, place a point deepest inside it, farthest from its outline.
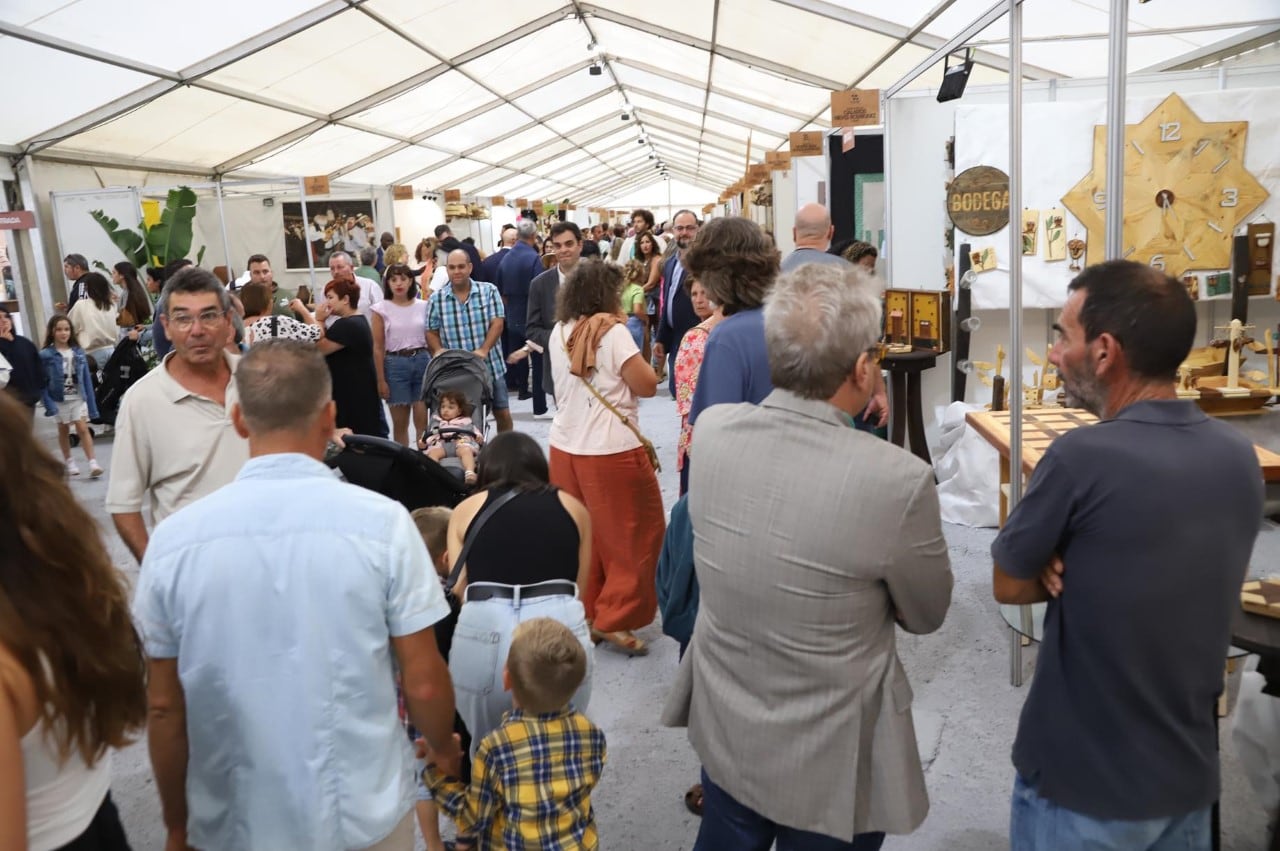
(458, 369)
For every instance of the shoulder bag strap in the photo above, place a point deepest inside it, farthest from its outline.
(275, 326)
(481, 519)
(626, 421)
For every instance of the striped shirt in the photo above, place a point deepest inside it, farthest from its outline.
(531, 784)
(464, 324)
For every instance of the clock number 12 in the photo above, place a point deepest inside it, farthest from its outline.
(1171, 131)
(1230, 197)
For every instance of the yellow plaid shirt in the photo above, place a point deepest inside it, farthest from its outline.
(531, 784)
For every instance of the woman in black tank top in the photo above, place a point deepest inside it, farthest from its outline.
(529, 559)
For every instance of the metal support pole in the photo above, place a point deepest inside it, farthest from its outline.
(222, 220)
(1015, 252)
(886, 250)
(306, 222)
(1117, 47)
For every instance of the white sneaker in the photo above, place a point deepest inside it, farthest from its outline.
(94, 470)
(545, 415)
(72, 469)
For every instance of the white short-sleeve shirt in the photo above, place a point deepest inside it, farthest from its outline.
(583, 426)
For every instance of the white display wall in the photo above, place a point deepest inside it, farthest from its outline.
(919, 127)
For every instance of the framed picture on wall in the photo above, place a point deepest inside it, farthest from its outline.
(868, 208)
(334, 226)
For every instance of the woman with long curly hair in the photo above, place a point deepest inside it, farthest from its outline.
(72, 672)
(597, 453)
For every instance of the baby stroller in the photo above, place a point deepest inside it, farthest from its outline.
(463, 371)
(397, 472)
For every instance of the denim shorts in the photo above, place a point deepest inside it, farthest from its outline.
(636, 327)
(404, 377)
(501, 398)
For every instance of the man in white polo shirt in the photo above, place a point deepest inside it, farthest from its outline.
(174, 438)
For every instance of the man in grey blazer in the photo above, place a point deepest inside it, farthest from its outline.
(792, 689)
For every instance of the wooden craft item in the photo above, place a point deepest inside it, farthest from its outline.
(1192, 283)
(1076, 248)
(1261, 597)
(1186, 189)
(1055, 234)
(982, 260)
(978, 200)
(1218, 284)
(931, 320)
(1030, 225)
(1262, 237)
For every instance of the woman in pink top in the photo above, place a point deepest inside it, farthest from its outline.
(688, 365)
(399, 325)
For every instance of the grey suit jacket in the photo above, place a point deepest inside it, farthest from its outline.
(792, 689)
(541, 318)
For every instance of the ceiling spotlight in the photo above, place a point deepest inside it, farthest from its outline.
(650, 156)
(595, 70)
(626, 116)
(591, 45)
(639, 141)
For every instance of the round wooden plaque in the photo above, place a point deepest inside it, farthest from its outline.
(978, 200)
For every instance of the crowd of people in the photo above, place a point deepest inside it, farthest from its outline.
(309, 683)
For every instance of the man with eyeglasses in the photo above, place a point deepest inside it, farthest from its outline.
(676, 314)
(174, 438)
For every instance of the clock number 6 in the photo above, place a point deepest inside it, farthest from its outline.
(1157, 262)
(1171, 131)
(1230, 197)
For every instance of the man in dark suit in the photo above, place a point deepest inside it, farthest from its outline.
(567, 239)
(449, 242)
(493, 262)
(676, 316)
(520, 265)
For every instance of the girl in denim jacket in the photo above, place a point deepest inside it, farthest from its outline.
(68, 391)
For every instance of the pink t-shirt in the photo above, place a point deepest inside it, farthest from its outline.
(405, 326)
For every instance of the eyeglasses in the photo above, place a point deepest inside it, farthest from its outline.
(207, 319)
(878, 351)
(685, 228)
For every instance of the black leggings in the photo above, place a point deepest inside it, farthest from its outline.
(104, 833)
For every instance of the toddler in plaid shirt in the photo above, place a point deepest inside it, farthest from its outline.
(531, 778)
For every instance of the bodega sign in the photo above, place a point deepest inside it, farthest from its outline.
(978, 200)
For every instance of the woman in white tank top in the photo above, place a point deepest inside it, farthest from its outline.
(72, 674)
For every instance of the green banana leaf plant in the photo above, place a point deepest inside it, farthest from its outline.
(167, 240)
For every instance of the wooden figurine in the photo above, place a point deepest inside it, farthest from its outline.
(1186, 384)
(999, 395)
(1261, 244)
(1030, 224)
(1076, 248)
(1192, 283)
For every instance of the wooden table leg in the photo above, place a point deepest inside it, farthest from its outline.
(915, 419)
(898, 400)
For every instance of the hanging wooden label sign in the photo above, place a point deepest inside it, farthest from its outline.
(498, 201)
(778, 160)
(402, 193)
(17, 220)
(855, 108)
(522, 203)
(452, 195)
(759, 171)
(806, 144)
(978, 200)
(316, 185)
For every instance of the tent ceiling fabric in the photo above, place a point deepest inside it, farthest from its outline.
(495, 98)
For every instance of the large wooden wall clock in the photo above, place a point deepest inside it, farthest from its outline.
(1185, 190)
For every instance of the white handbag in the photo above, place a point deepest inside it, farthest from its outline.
(6, 369)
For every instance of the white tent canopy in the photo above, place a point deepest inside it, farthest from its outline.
(496, 98)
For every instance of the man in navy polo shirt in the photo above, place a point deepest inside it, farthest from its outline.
(1138, 530)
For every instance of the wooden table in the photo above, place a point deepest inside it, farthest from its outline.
(905, 395)
(1040, 427)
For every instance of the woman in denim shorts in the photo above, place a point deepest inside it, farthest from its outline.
(399, 324)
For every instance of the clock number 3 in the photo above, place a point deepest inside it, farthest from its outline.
(1171, 131)
(1230, 197)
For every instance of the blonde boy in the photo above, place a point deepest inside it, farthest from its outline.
(531, 779)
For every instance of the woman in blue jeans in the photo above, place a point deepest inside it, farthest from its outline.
(528, 561)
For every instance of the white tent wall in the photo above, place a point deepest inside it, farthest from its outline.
(784, 209)
(416, 219)
(920, 127)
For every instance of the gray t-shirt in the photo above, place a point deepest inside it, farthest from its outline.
(801, 256)
(1154, 514)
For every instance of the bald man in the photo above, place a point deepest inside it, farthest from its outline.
(812, 234)
(469, 314)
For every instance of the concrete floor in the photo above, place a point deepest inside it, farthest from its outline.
(966, 712)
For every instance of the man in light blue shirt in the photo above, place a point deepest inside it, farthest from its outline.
(273, 716)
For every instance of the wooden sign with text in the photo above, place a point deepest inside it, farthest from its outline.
(452, 195)
(978, 200)
(778, 160)
(402, 193)
(317, 185)
(522, 203)
(759, 172)
(17, 220)
(855, 108)
(806, 144)
(498, 201)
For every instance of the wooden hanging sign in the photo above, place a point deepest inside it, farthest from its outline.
(807, 143)
(316, 185)
(522, 203)
(402, 193)
(498, 201)
(452, 195)
(855, 108)
(778, 160)
(759, 171)
(978, 200)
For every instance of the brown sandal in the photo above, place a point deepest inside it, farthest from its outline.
(693, 799)
(623, 640)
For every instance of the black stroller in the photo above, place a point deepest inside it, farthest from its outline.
(398, 472)
(463, 371)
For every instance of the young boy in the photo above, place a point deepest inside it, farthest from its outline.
(433, 526)
(531, 779)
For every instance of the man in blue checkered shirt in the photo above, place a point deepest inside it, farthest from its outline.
(469, 315)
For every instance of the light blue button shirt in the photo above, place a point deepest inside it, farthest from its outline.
(282, 635)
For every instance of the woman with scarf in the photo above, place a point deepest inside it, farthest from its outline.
(599, 456)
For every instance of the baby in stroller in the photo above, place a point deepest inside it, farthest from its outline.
(451, 428)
